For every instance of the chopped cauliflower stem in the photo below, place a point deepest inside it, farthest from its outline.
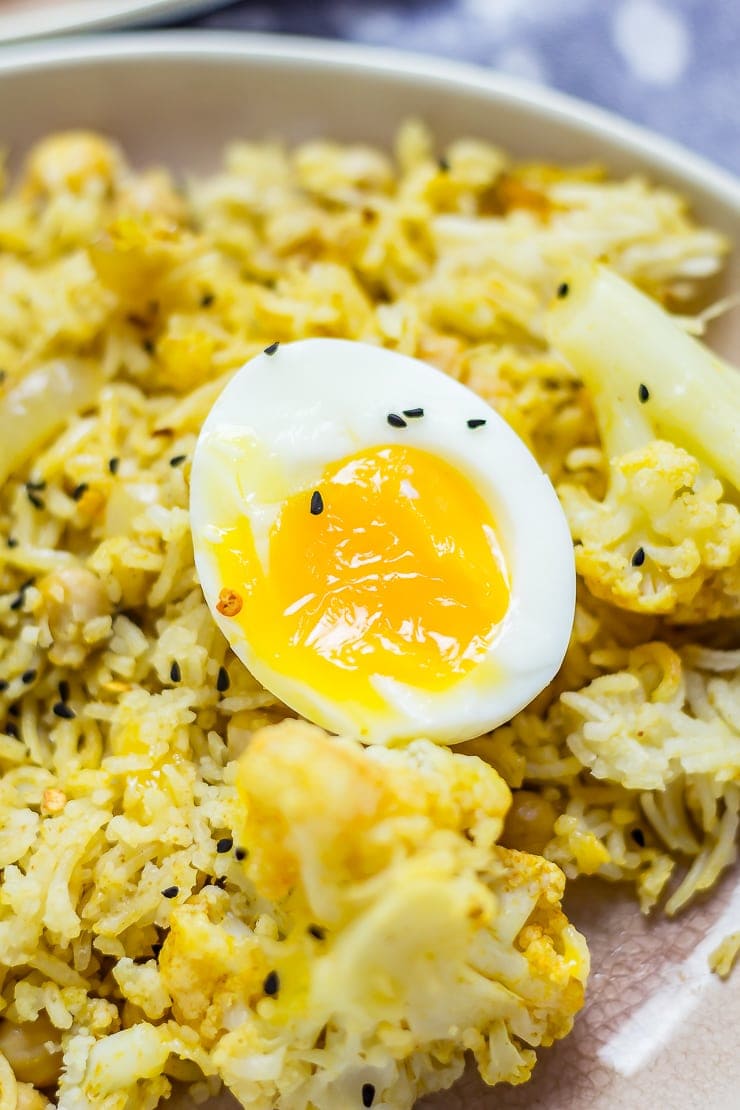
(666, 538)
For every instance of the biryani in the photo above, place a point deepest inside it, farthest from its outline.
(196, 886)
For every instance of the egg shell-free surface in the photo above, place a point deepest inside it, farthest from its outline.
(285, 416)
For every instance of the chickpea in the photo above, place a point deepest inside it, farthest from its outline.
(72, 597)
(529, 822)
(69, 161)
(25, 1048)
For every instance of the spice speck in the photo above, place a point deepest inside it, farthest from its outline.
(229, 603)
(53, 800)
(563, 289)
(271, 984)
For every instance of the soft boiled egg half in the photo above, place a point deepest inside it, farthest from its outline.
(378, 546)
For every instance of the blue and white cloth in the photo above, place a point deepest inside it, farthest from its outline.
(673, 65)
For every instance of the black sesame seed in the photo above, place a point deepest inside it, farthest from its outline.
(170, 892)
(240, 854)
(476, 423)
(272, 348)
(443, 165)
(317, 932)
(225, 844)
(563, 289)
(368, 1094)
(64, 690)
(11, 730)
(64, 711)
(78, 491)
(396, 421)
(36, 501)
(17, 602)
(175, 672)
(177, 460)
(28, 676)
(413, 414)
(643, 393)
(11, 541)
(639, 837)
(3, 685)
(271, 984)
(638, 558)
(317, 503)
(113, 465)
(223, 681)
(207, 300)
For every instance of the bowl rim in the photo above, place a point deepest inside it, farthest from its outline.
(665, 154)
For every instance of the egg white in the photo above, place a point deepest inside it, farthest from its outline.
(284, 417)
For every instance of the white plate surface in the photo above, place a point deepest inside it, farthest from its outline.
(30, 19)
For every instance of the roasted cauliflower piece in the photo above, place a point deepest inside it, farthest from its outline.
(396, 932)
(666, 538)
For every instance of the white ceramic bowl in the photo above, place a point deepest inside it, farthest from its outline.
(658, 1030)
(33, 19)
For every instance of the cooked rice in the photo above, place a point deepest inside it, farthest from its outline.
(126, 304)
(722, 959)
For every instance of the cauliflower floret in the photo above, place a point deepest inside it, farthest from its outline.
(666, 538)
(663, 541)
(398, 933)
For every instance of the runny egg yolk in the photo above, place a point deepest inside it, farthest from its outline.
(389, 566)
